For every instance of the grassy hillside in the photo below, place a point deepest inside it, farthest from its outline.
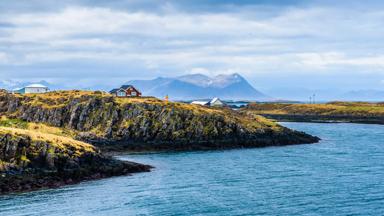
(144, 123)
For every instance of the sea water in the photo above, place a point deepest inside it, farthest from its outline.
(341, 175)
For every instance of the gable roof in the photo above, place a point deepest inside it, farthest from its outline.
(125, 87)
(214, 100)
(114, 91)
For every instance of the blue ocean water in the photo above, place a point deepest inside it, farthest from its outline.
(341, 175)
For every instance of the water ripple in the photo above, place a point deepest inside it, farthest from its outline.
(342, 175)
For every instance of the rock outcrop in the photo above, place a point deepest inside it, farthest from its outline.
(31, 161)
(147, 123)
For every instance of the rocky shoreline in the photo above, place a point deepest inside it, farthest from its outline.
(16, 182)
(256, 142)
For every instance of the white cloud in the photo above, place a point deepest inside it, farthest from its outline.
(322, 60)
(297, 40)
(3, 58)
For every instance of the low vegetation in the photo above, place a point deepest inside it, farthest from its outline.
(36, 127)
(332, 108)
(359, 112)
(142, 122)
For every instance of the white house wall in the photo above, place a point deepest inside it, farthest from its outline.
(35, 90)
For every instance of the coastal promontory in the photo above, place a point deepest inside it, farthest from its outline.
(147, 123)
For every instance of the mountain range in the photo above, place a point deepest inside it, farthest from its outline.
(199, 86)
(227, 87)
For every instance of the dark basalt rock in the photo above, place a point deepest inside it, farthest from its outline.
(27, 164)
(326, 118)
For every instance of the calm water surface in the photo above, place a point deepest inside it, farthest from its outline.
(342, 175)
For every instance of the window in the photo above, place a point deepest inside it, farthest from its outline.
(133, 93)
(121, 94)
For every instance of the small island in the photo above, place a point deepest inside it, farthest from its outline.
(57, 138)
(332, 112)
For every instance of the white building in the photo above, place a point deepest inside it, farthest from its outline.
(32, 89)
(215, 102)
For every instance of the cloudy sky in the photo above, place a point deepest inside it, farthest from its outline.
(274, 44)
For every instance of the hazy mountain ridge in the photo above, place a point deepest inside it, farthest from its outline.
(199, 86)
(364, 95)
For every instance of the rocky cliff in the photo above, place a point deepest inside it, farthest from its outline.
(147, 123)
(31, 160)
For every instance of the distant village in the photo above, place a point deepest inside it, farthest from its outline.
(123, 91)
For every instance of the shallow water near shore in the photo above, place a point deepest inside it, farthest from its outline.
(341, 175)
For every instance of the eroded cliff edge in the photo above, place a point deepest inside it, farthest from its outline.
(147, 123)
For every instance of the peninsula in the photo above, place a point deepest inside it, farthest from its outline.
(147, 123)
(56, 138)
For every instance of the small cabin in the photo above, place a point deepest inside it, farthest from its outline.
(126, 91)
(32, 89)
(215, 102)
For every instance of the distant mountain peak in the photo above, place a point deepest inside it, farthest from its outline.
(200, 86)
(223, 80)
(196, 79)
(220, 81)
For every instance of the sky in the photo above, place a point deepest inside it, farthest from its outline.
(275, 44)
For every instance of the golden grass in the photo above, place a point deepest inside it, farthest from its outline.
(60, 142)
(43, 128)
(57, 99)
(37, 127)
(63, 98)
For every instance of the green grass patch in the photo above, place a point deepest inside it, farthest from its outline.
(15, 123)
